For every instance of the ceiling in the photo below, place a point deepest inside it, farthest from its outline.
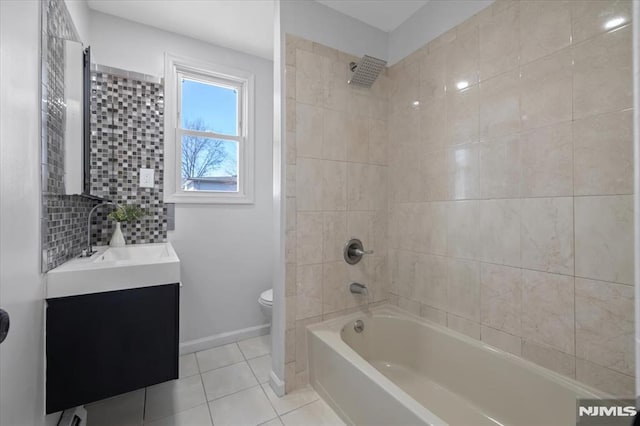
(386, 15)
(246, 25)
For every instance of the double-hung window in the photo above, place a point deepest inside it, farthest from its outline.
(209, 133)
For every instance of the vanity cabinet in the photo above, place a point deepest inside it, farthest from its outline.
(104, 344)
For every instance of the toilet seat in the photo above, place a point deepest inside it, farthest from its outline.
(266, 298)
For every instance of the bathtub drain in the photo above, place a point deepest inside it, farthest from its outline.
(358, 326)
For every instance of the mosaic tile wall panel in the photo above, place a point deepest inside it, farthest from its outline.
(127, 128)
(127, 134)
(64, 217)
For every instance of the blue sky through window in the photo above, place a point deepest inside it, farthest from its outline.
(216, 109)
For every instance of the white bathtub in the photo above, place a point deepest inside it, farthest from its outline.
(405, 370)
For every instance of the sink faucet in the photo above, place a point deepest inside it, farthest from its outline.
(357, 288)
(89, 250)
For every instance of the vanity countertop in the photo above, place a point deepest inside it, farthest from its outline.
(115, 268)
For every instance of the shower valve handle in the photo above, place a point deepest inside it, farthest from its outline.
(359, 252)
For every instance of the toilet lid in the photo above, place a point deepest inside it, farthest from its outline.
(267, 296)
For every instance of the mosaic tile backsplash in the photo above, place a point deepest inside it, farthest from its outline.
(64, 217)
(127, 134)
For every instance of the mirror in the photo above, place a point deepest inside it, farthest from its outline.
(73, 100)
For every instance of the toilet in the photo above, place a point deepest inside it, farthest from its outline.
(266, 302)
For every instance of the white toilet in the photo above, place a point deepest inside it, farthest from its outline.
(266, 302)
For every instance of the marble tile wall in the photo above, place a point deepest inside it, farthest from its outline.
(510, 184)
(336, 188)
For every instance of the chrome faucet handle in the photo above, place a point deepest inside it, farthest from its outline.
(359, 252)
(354, 250)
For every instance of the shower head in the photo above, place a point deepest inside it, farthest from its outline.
(366, 72)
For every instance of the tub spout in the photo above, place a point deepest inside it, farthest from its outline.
(357, 288)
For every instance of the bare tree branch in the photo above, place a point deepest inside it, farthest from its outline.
(200, 155)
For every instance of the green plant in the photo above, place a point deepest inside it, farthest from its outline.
(127, 213)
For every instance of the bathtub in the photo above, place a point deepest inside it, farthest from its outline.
(405, 370)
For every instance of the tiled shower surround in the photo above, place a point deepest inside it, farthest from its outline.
(336, 189)
(509, 200)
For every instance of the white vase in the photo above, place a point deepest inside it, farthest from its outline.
(117, 239)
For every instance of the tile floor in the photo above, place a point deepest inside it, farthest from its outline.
(227, 385)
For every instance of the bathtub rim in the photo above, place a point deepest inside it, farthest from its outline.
(329, 332)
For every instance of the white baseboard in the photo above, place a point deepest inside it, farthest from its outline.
(276, 384)
(209, 342)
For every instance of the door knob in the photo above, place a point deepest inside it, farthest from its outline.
(4, 325)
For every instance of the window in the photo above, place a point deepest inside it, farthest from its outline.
(209, 133)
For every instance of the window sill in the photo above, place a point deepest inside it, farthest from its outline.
(208, 198)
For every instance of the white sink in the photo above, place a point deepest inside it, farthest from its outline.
(117, 268)
(135, 253)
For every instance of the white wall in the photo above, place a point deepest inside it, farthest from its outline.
(431, 20)
(80, 15)
(21, 286)
(225, 251)
(314, 21)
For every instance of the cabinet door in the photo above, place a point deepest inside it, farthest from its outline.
(104, 344)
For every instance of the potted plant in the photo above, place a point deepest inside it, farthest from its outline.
(123, 213)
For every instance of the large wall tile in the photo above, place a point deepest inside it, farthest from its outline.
(550, 358)
(311, 73)
(462, 115)
(462, 58)
(605, 324)
(309, 122)
(309, 178)
(547, 162)
(501, 340)
(546, 90)
(357, 139)
(309, 238)
(378, 136)
(501, 297)
(603, 69)
(334, 185)
(612, 382)
(548, 309)
(335, 287)
(500, 42)
(433, 272)
(545, 27)
(464, 172)
(590, 18)
(604, 238)
(547, 234)
(500, 167)
(463, 290)
(500, 105)
(308, 291)
(436, 182)
(334, 135)
(603, 154)
(334, 235)
(463, 233)
(463, 325)
(336, 93)
(499, 224)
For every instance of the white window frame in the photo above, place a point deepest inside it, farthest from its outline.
(176, 67)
